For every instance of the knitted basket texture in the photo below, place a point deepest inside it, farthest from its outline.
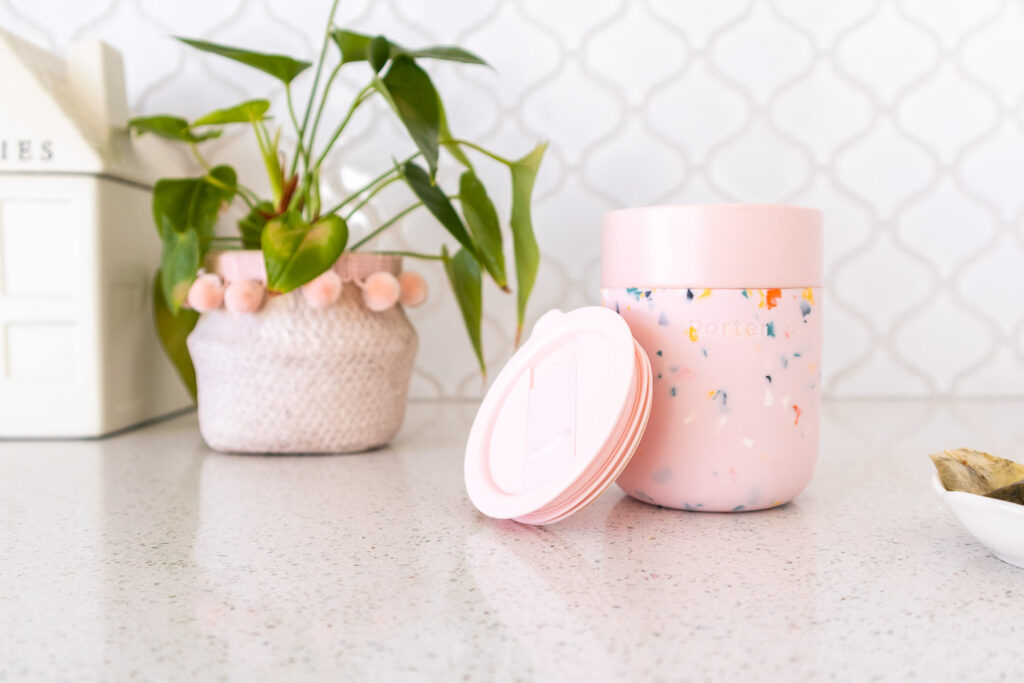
(293, 379)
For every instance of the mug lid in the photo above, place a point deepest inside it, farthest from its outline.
(562, 419)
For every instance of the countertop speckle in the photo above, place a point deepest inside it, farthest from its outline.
(147, 556)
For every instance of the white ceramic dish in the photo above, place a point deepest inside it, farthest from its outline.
(997, 524)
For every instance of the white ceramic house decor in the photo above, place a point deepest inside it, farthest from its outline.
(78, 353)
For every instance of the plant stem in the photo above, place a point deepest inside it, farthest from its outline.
(413, 254)
(387, 224)
(239, 188)
(263, 135)
(367, 186)
(299, 193)
(299, 146)
(313, 206)
(320, 109)
(199, 157)
(370, 196)
(361, 97)
(270, 163)
(213, 180)
(301, 130)
(485, 152)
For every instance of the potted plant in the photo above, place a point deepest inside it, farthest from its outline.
(292, 336)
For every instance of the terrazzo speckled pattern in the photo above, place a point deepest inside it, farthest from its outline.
(148, 556)
(737, 385)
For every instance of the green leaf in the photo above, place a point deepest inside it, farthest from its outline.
(183, 203)
(271, 160)
(173, 329)
(434, 198)
(378, 52)
(483, 224)
(223, 178)
(246, 112)
(464, 275)
(185, 211)
(410, 92)
(354, 45)
(448, 53)
(179, 263)
(447, 139)
(295, 252)
(169, 127)
(251, 226)
(524, 173)
(281, 67)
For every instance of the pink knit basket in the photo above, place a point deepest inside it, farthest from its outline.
(292, 379)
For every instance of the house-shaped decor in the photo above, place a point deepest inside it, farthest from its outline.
(79, 355)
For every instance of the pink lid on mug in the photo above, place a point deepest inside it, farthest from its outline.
(728, 246)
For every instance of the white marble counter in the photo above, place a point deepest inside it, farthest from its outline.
(146, 556)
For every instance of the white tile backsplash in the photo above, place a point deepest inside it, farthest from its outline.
(901, 120)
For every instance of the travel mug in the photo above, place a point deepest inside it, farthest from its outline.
(726, 301)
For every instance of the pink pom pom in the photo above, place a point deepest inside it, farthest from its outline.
(414, 289)
(322, 291)
(206, 293)
(244, 296)
(381, 291)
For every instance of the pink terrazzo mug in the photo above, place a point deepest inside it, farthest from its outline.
(726, 301)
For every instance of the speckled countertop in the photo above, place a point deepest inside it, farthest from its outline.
(146, 556)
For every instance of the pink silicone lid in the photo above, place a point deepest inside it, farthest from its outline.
(727, 246)
(561, 420)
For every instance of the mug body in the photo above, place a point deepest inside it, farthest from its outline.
(726, 301)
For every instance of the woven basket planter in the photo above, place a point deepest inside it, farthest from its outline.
(293, 379)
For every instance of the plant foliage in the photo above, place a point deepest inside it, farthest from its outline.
(300, 238)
